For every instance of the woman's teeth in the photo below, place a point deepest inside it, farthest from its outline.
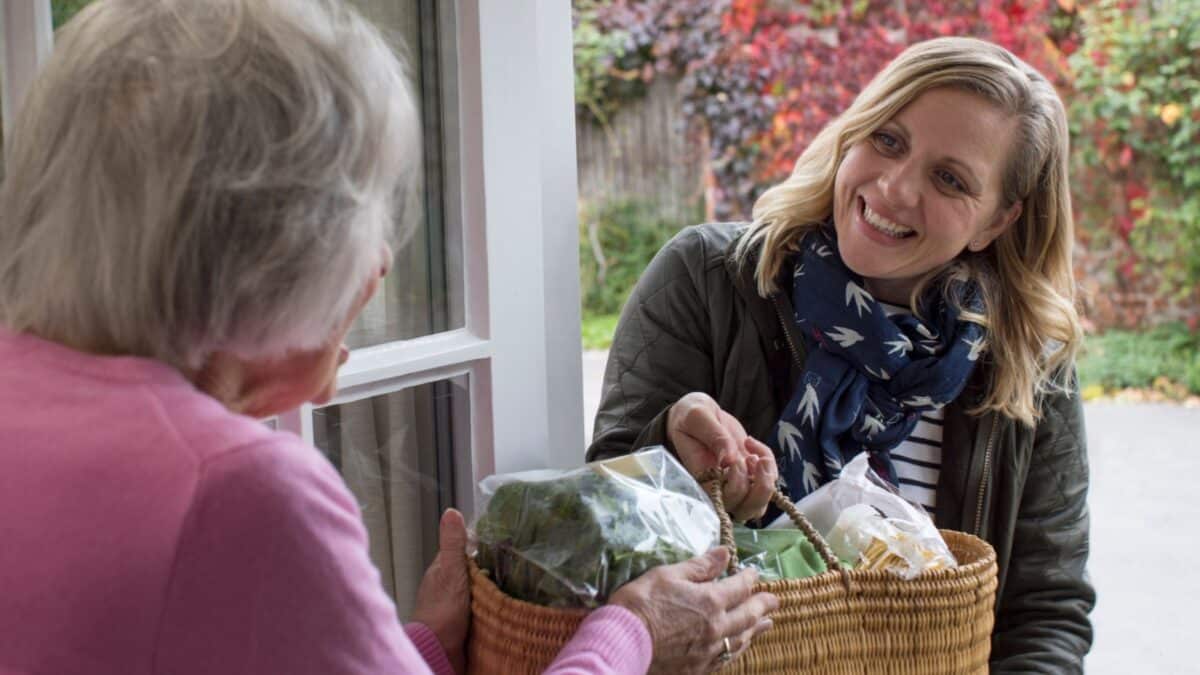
(884, 225)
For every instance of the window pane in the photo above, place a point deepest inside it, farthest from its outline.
(61, 11)
(420, 295)
(397, 454)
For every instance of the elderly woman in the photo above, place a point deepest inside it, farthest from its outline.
(906, 292)
(197, 205)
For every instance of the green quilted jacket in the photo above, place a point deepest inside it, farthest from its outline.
(695, 322)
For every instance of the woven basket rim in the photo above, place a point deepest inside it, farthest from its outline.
(982, 566)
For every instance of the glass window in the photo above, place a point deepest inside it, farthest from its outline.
(397, 454)
(422, 294)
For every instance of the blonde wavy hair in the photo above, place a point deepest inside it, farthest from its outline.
(1027, 284)
(186, 177)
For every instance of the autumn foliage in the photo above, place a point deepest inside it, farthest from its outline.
(761, 77)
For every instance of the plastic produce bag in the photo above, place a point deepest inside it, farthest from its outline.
(864, 518)
(879, 543)
(571, 538)
(778, 553)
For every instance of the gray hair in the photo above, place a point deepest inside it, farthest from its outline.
(189, 176)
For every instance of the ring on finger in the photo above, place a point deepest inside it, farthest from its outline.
(727, 653)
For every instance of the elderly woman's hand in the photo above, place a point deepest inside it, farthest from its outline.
(705, 436)
(444, 596)
(690, 616)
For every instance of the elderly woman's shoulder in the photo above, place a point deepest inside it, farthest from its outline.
(258, 477)
(236, 454)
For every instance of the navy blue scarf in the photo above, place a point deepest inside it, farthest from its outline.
(868, 376)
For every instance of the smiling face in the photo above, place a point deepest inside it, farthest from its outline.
(922, 188)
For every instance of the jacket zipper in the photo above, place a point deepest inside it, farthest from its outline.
(987, 470)
(787, 335)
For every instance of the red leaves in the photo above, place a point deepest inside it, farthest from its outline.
(1135, 190)
(764, 77)
(1125, 226)
(1126, 157)
(741, 16)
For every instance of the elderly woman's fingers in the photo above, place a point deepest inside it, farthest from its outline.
(734, 590)
(747, 615)
(688, 616)
(739, 642)
(738, 627)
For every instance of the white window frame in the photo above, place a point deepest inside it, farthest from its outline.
(28, 38)
(511, 121)
(510, 124)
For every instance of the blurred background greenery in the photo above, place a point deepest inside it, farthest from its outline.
(62, 10)
(746, 84)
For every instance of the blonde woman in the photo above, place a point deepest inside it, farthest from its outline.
(906, 292)
(198, 202)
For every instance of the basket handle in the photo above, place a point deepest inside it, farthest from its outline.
(713, 480)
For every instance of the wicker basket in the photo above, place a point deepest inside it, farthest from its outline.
(856, 621)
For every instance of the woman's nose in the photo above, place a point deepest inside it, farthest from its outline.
(901, 185)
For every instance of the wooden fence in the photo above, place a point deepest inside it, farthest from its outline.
(645, 153)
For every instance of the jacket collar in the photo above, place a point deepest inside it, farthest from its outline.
(770, 317)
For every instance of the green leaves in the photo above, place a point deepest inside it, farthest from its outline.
(61, 11)
(1137, 92)
(572, 541)
(617, 239)
(1120, 359)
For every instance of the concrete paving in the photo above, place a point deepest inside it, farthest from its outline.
(1145, 559)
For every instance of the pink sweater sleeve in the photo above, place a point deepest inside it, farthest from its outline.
(272, 575)
(611, 640)
(428, 646)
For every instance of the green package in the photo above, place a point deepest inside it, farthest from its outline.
(777, 553)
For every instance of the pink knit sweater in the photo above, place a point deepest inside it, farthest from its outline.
(146, 529)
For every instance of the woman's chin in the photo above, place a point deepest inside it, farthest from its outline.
(866, 266)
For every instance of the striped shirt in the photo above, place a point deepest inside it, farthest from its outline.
(918, 459)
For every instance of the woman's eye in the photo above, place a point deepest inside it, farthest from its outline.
(951, 181)
(886, 140)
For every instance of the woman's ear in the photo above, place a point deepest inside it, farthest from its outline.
(1000, 223)
(223, 377)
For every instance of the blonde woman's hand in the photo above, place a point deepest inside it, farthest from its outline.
(690, 616)
(705, 436)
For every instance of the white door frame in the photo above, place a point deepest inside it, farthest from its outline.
(513, 108)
